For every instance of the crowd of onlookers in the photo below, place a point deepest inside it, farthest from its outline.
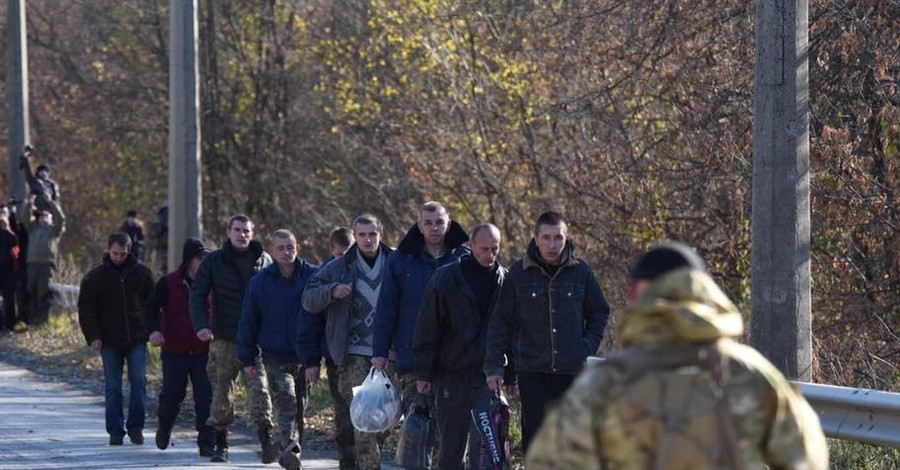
(29, 243)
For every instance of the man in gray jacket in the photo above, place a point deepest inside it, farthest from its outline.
(224, 275)
(346, 290)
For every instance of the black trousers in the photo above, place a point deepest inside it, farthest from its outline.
(8, 290)
(537, 391)
(454, 398)
(177, 370)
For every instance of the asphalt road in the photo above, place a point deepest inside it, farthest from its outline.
(47, 425)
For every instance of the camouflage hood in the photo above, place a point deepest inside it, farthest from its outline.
(684, 306)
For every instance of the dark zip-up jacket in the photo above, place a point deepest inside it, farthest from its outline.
(220, 276)
(451, 337)
(166, 311)
(550, 323)
(408, 272)
(317, 298)
(274, 324)
(110, 302)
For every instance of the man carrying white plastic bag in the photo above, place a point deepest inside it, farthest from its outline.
(376, 403)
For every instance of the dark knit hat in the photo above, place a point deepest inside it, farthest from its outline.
(664, 257)
(193, 248)
(131, 213)
(41, 167)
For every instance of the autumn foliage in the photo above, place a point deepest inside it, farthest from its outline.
(633, 118)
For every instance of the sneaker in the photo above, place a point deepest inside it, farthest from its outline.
(163, 436)
(206, 451)
(290, 461)
(290, 458)
(220, 454)
(136, 437)
(116, 439)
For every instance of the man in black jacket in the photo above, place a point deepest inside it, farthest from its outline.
(450, 340)
(109, 312)
(551, 313)
(224, 274)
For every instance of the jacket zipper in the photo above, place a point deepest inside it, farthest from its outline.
(550, 317)
(125, 306)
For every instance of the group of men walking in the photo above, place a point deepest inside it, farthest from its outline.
(439, 314)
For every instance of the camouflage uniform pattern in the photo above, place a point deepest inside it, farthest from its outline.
(343, 434)
(352, 372)
(223, 368)
(287, 383)
(617, 418)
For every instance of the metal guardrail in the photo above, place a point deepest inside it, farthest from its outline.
(858, 414)
(66, 295)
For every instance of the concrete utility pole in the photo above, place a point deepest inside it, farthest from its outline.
(184, 129)
(780, 284)
(16, 94)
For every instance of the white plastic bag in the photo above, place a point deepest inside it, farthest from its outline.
(376, 403)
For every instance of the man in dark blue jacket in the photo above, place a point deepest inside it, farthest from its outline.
(550, 315)
(433, 242)
(276, 331)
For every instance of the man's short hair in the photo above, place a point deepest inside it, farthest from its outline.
(343, 236)
(118, 238)
(368, 219)
(665, 257)
(283, 233)
(433, 206)
(550, 218)
(239, 218)
(482, 227)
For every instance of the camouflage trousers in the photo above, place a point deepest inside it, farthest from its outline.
(343, 435)
(352, 372)
(287, 383)
(223, 369)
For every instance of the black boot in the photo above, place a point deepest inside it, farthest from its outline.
(220, 453)
(163, 435)
(270, 451)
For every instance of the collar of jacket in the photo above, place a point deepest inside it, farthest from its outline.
(255, 247)
(272, 269)
(414, 242)
(130, 262)
(352, 252)
(530, 260)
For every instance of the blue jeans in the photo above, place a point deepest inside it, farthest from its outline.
(113, 363)
(177, 369)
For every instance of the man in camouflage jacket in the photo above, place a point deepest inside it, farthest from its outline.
(682, 393)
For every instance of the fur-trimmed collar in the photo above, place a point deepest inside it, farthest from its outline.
(414, 242)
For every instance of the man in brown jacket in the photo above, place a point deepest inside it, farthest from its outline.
(109, 311)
